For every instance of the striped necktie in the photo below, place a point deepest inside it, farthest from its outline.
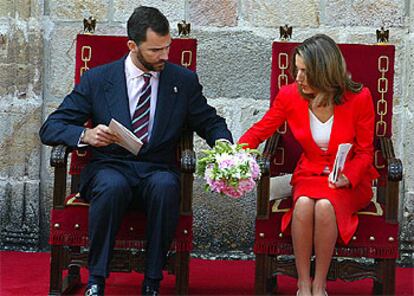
(140, 120)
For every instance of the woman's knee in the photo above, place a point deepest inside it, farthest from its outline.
(324, 210)
(304, 208)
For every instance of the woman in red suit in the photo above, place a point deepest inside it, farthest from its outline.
(323, 108)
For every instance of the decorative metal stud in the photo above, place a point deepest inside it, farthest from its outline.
(261, 234)
(76, 226)
(281, 234)
(372, 238)
(391, 239)
(185, 231)
(354, 238)
(131, 228)
(56, 225)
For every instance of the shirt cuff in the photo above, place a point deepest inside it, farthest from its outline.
(80, 143)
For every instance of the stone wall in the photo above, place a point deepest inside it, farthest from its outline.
(235, 36)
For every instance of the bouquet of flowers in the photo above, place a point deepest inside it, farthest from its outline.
(229, 169)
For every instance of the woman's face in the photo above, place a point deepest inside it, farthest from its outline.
(301, 78)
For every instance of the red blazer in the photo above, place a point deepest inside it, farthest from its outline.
(353, 123)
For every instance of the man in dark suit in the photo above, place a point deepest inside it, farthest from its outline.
(154, 99)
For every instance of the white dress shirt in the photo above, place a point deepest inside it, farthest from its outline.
(135, 82)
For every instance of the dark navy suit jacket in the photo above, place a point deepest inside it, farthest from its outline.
(102, 95)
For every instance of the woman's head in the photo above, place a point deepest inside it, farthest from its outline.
(320, 70)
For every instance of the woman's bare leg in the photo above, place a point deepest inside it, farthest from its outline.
(326, 233)
(302, 238)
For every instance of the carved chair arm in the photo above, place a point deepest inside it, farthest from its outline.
(59, 156)
(263, 204)
(59, 160)
(394, 172)
(188, 164)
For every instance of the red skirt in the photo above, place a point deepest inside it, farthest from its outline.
(345, 201)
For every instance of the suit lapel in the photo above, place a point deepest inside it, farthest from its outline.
(167, 93)
(116, 94)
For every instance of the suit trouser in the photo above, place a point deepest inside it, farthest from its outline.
(110, 195)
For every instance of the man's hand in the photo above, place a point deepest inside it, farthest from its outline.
(99, 136)
(342, 182)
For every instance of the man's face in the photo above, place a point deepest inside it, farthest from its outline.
(151, 54)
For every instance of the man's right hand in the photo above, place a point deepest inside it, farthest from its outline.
(99, 136)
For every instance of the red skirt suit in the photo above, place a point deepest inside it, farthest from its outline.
(353, 122)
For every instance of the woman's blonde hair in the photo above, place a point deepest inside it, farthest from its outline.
(325, 70)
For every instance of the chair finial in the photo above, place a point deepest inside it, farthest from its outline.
(382, 35)
(89, 25)
(184, 29)
(285, 32)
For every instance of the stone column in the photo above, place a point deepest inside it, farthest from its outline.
(21, 71)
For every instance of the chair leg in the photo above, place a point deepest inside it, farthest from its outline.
(387, 286)
(182, 262)
(56, 267)
(262, 280)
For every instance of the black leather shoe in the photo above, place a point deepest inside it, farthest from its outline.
(149, 291)
(94, 290)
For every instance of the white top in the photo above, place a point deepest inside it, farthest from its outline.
(135, 82)
(321, 131)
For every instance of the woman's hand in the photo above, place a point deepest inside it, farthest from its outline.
(341, 183)
(99, 136)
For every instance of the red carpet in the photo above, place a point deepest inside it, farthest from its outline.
(28, 274)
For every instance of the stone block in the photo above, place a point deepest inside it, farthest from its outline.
(213, 13)
(274, 13)
(411, 15)
(19, 141)
(234, 64)
(173, 9)
(19, 214)
(372, 13)
(60, 69)
(222, 224)
(7, 8)
(77, 10)
(22, 9)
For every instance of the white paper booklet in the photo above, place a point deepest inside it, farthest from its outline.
(339, 163)
(127, 139)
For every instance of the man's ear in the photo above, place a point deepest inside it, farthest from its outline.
(132, 46)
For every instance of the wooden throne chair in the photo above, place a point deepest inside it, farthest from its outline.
(69, 215)
(373, 250)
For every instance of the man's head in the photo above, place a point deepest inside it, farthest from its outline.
(149, 38)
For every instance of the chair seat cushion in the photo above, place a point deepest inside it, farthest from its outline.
(374, 238)
(69, 226)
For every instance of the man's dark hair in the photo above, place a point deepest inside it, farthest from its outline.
(145, 17)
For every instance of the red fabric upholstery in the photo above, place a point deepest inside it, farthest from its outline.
(269, 239)
(374, 67)
(69, 226)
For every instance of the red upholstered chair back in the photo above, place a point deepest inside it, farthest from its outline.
(92, 51)
(372, 65)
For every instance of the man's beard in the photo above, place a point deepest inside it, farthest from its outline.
(151, 67)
